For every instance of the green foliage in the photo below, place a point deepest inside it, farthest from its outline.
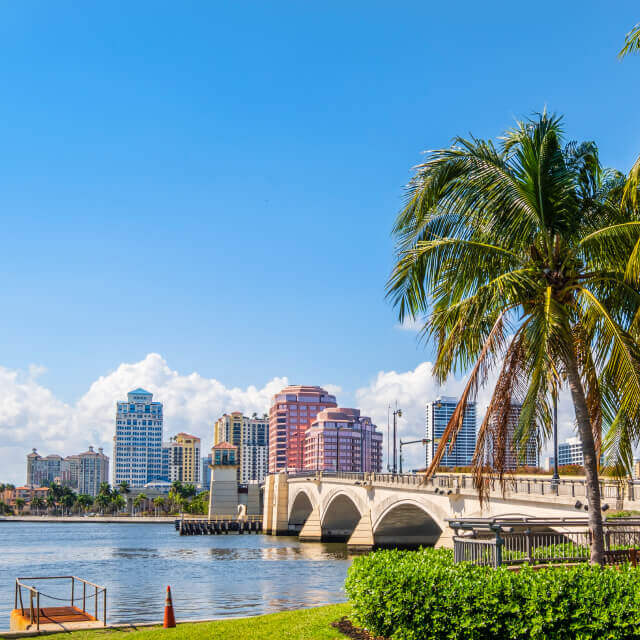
(424, 595)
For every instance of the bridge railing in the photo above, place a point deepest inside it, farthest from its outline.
(565, 487)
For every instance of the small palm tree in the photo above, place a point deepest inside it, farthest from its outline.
(159, 503)
(36, 504)
(85, 501)
(524, 257)
(140, 500)
(103, 501)
(118, 502)
(51, 502)
(20, 504)
(68, 500)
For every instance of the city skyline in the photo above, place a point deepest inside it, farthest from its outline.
(110, 226)
(206, 399)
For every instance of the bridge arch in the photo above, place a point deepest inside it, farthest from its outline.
(407, 523)
(301, 506)
(340, 516)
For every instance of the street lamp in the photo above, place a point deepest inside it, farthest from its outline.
(406, 442)
(396, 414)
(555, 480)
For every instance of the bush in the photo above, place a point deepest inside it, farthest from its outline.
(424, 595)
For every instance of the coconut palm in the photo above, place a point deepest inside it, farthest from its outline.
(103, 501)
(159, 503)
(20, 504)
(68, 500)
(118, 502)
(632, 45)
(85, 501)
(51, 502)
(140, 500)
(36, 504)
(521, 255)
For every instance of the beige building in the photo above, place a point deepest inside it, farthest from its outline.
(184, 461)
(249, 435)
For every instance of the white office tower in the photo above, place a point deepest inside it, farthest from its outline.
(570, 452)
(137, 444)
(439, 412)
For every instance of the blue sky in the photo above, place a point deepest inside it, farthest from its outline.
(216, 182)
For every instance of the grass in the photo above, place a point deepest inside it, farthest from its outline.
(303, 624)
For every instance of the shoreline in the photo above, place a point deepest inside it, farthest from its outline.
(93, 519)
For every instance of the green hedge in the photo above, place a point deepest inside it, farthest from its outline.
(424, 595)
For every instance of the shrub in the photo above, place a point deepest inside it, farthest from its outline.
(424, 595)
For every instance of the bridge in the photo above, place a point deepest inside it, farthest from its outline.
(370, 510)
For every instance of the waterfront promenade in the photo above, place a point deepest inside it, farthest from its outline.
(93, 519)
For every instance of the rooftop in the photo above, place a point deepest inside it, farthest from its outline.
(224, 445)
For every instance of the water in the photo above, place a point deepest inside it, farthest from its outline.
(210, 576)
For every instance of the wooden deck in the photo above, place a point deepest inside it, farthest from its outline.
(52, 617)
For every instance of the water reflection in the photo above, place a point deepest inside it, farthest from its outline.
(210, 576)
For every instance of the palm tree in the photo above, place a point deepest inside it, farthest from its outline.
(68, 500)
(20, 504)
(522, 254)
(632, 45)
(51, 502)
(103, 501)
(631, 42)
(139, 500)
(118, 502)
(85, 501)
(104, 489)
(36, 503)
(159, 503)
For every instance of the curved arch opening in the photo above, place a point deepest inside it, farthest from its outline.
(340, 519)
(300, 510)
(407, 526)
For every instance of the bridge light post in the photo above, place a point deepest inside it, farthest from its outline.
(396, 414)
(406, 442)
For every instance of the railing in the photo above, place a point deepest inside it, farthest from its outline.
(36, 594)
(565, 487)
(494, 542)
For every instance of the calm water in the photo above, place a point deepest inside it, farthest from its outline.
(210, 576)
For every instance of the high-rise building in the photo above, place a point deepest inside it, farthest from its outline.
(43, 470)
(249, 435)
(184, 458)
(439, 412)
(93, 469)
(206, 474)
(137, 444)
(341, 439)
(292, 412)
(513, 460)
(82, 472)
(570, 452)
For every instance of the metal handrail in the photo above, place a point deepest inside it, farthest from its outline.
(33, 592)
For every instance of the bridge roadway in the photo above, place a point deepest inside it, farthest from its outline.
(378, 509)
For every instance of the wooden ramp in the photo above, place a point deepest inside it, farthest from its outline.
(53, 618)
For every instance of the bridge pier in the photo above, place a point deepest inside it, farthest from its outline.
(276, 505)
(362, 537)
(312, 528)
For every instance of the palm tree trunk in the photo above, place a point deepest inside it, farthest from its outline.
(590, 459)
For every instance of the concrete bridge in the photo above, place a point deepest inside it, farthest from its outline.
(377, 510)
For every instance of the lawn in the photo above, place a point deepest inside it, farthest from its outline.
(304, 624)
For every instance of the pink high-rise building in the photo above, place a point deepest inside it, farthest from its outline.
(291, 414)
(342, 440)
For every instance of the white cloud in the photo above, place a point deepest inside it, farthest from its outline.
(32, 416)
(410, 324)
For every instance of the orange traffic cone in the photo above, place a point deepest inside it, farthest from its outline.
(169, 617)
